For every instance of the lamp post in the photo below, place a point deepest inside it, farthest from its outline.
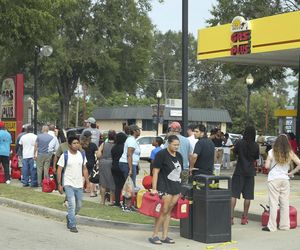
(158, 96)
(249, 82)
(39, 51)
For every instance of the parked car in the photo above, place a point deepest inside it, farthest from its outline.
(78, 130)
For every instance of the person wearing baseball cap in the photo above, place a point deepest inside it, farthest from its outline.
(5, 141)
(185, 149)
(92, 127)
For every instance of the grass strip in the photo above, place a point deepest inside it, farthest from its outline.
(90, 209)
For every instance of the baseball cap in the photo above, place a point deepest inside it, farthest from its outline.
(87, 133)
(2, 124)
(175, 126)
(91, 120)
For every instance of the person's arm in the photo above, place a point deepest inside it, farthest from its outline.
(193, 160)
(130, 159)
(35, 150)
(268, 162)
(99, 151)
(296, 160)
(58, 176)
(155, 172)
(86, 176)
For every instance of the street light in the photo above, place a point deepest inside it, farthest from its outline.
(46, 51)
(249, 82)
(158, 96)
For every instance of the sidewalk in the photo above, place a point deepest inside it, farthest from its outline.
(261, 193)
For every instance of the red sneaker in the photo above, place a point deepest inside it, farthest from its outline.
(244, 220)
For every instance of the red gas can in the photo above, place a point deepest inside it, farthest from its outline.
(2, 175)
(151, 205)
(293, 217)
(181, 209)
(15, 174)
(47, 187)
(14, 162)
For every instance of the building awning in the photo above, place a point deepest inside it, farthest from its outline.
(272, 40)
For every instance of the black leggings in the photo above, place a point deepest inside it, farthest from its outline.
(119, 180)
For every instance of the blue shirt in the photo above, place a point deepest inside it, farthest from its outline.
(43, 141)
(5, 141)
(154, 152)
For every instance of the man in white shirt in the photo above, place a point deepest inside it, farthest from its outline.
(227, 145)
(28, 141)
(74, 164)
(191, 137)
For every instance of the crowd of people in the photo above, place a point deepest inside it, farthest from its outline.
(84, 164)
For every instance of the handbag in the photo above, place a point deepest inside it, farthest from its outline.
(95, 176)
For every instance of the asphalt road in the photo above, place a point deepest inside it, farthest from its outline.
(20, 230)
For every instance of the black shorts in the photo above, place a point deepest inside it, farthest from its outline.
(243, 184)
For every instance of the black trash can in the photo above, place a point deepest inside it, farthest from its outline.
(212, 208)
(186, 225)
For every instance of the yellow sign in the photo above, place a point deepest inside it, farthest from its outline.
(273, 36)
(285, 113)
(11, 127)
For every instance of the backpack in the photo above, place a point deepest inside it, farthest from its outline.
(66, 156)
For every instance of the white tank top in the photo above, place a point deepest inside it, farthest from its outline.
(279, 171)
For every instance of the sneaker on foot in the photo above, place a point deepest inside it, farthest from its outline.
(7, 182)
(73, 230)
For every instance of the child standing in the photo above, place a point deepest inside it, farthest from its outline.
(157, 142)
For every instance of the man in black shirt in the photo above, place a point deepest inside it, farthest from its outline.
(202, 160)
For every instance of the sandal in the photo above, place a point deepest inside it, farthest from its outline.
(155, 240)
(168, 240)
(93, 195)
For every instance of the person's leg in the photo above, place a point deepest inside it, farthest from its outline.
(236, 192)
(166, 223)
(134, 171)
(46, 164)
(5, 163)
(248, 195)
(39, 169)
(25, 172)
(284, 205)
(33, 173)
(273, 188)
(78, 192)
(102, 195)
(71, 206)
(165, 209)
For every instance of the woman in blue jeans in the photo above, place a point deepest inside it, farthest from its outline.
(131, 155)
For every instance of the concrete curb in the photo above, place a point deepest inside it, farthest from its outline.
(82, 220)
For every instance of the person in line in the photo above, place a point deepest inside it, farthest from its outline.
(19, 148)
(278, 163)
(191, 137)
(92, 127)
(118, 176)
(129, 160)
(202, 159)
(90, 149)
(217, 138)
(185, 149)
(106, 180)
(5, 141)
(42, 155)
(157, 142)
(247, 152)
(60, 135)
(72, 181)
(166, 180)
(227, 145)
(28, 144)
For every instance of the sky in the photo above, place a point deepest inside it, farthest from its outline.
(168, 15)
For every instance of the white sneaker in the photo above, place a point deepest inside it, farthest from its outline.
(7, 182)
